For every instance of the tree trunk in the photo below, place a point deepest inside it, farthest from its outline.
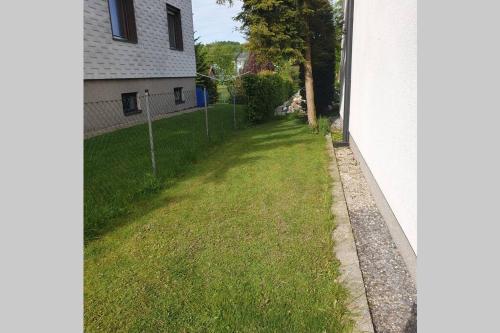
(309, 81)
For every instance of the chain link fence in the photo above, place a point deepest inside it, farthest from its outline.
(135, 145)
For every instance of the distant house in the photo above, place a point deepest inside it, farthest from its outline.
(241, 61)
(131, 46)
(212, 72)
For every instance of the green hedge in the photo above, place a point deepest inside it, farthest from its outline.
(265, 92)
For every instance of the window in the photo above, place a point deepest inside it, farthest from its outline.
(179, 95)
(130, 104)
(122, 17)
(174, 28)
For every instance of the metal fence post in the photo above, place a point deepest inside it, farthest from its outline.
(206, 109)
(151, 141)
(234, 109)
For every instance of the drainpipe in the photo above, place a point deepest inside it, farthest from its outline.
(348, 64)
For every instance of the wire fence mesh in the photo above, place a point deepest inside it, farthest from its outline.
(135, 145)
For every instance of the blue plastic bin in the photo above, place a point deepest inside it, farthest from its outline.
(200, 100)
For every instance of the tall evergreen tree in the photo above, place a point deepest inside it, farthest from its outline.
(323, 55)
(278, 29)
(338, 20)
(203, 67)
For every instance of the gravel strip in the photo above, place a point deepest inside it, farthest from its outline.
(390, 290)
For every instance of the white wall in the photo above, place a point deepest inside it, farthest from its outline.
(105, 58)
(383, 118)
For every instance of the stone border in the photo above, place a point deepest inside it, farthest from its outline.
(345, 249)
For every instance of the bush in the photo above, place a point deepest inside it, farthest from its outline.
(241, 97)
(265, 92)
(239, 90)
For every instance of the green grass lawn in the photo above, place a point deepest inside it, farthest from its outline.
(117, 166)
(239, 241)
(337, 136)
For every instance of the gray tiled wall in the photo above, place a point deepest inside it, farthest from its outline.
(105, 58)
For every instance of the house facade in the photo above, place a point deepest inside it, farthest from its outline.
(132, 45)
(241, 61)
(380, 108)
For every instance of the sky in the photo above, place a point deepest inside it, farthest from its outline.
(213, 22)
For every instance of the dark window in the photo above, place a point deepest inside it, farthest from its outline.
(174, 28)
(122, 17)
(130, 104)
(179, 95)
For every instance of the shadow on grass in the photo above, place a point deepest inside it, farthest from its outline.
(274, 135)
(140, 209)
(255, 146)
(183, 155)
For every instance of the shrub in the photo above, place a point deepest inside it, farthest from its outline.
(239, 90)
(265, 92)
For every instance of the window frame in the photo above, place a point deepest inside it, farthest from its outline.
(182, 98)
(135, 111)
(127, 19)
(178, 40)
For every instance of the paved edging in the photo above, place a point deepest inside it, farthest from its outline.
(345, 249)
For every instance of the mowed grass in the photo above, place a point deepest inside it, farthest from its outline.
(118, 170)
(337, 136)
(241, 242)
